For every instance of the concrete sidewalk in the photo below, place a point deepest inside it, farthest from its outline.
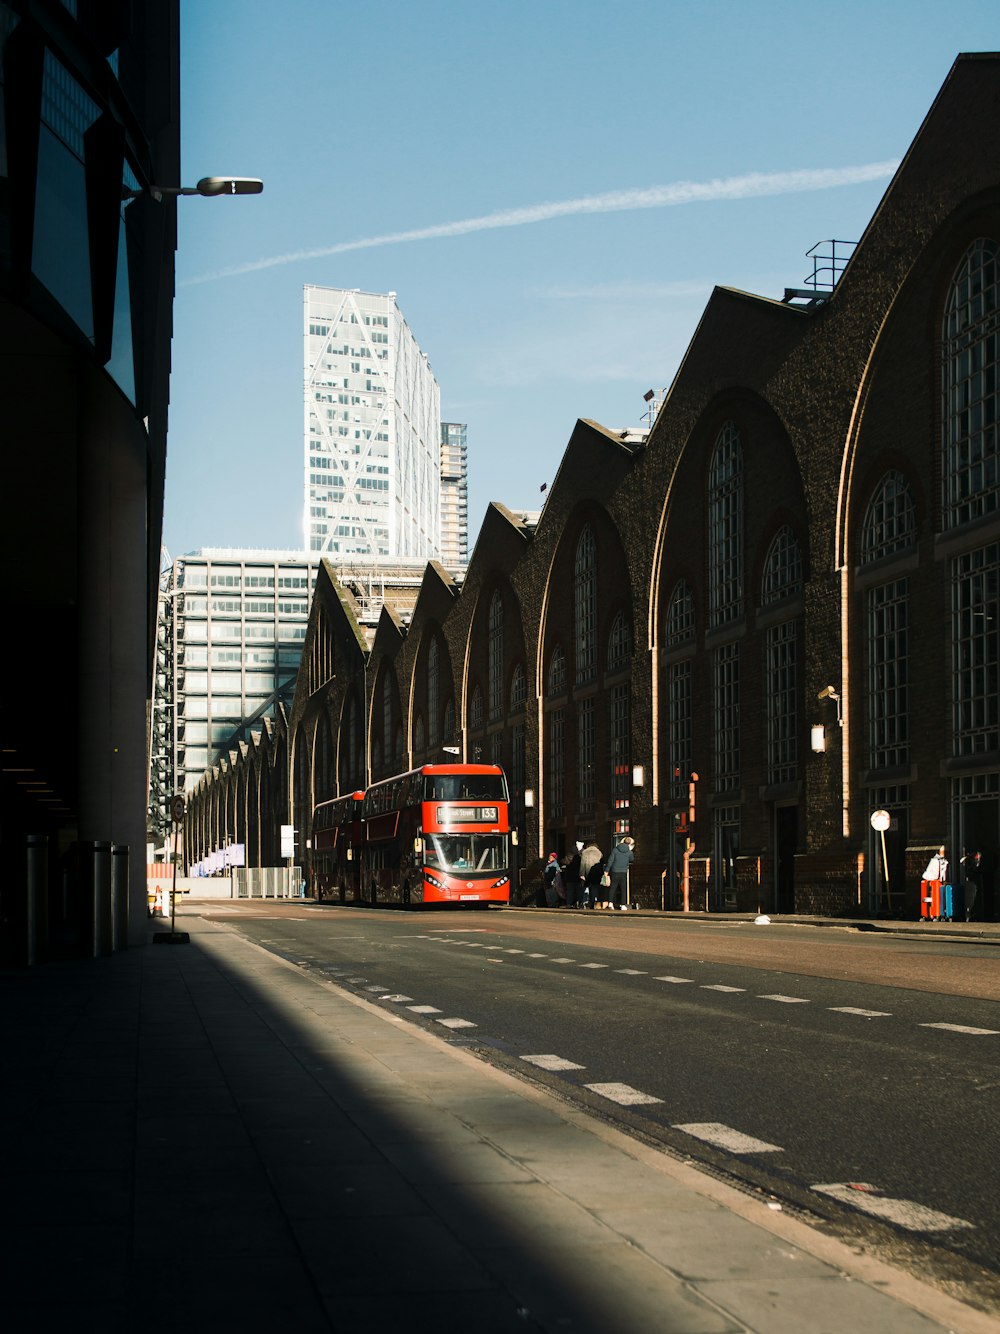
(202, 1137)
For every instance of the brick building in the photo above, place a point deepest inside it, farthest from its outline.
(790, 588)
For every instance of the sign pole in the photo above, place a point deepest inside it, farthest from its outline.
(173, 937)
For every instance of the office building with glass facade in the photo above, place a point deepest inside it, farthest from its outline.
(89, 123)
(231, 632)
(454, 496)
(372, 430)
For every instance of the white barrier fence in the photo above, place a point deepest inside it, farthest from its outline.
(240, 882)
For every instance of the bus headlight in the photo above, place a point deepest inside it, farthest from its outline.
(433, 880)
(504, 880)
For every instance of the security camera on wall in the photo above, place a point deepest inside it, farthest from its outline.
(828, 692)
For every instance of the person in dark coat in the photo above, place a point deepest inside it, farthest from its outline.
(573, 878)
(592, 868)
(620, 858)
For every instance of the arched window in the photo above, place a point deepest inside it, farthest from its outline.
(971, 351)
(495, 663)
(725, 527)
(890, 522)
(782, 568)
(585, 588)
(448, 731)
(386, 709)
(557, 671)
(476, 708)
(418, 734)
(619, 643)
(518, 689)
(433, 690)
(680, 616)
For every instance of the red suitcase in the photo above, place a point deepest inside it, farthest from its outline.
(930, 900)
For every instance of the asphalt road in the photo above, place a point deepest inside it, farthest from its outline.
(854, 1078)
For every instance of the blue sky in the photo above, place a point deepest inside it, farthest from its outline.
(519, 174)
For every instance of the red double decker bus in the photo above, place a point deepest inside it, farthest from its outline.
(439, 834)
(335, 862)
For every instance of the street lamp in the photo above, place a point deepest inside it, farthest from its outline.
(209, 187)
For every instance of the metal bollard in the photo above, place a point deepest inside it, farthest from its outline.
(38, 896)
(119, 896)
(97, 880)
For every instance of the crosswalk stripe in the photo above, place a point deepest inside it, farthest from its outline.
(552, 1062)
(904, 1213)
(725, 1137)
(623, 1094)
(962, 1028)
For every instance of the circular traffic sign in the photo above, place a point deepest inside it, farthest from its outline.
(881, 820)
(177, 808)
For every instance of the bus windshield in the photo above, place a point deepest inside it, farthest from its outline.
(466, 852)
(465, 787)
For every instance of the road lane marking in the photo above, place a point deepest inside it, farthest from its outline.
(725, 1137)
(717, 986)
(904, 1213)
(398, 999)
(623, 1094)
(786, 1000)
(550, 1062)
(963, 1028)
(564, 961)
(424, 1009)
(632, 972)
(513, 951)
(457, 1023)
(673, 979)
(865, 1014)
(593, 965)
(379, 986)
(538, 956)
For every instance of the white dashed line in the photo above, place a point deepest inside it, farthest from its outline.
(593, 965)
(865, 1014)
(717, 986)
(458, 1023)
(904, 1213)
(379, 986)
(725, 1137)
(546, 1062)
(962, 1028)
(632, 972)
(538, 956)
(786, 1000)
(424, 1009)
(673, 979)
(513, 951)
(623, 1094)
(397, 999)
(564, 961)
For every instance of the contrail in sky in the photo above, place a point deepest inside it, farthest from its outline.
(750, 186)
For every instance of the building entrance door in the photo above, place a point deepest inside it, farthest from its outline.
(978, 830)
(786, 840)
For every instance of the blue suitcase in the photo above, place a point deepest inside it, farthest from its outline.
(947, 904)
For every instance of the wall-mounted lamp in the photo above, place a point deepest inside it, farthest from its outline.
(817, 738)
(638, 775)
(529, 796)
(830, 692)
(209, 187)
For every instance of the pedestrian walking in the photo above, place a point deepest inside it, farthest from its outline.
(591, 868)
(972, 870)
(553, 879)
(619, 860)
(573, 879)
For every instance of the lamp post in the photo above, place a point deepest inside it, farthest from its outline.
(208, 187)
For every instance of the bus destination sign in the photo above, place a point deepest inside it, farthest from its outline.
(468, 815)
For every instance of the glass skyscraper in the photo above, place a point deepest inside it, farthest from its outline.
(372, 430)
